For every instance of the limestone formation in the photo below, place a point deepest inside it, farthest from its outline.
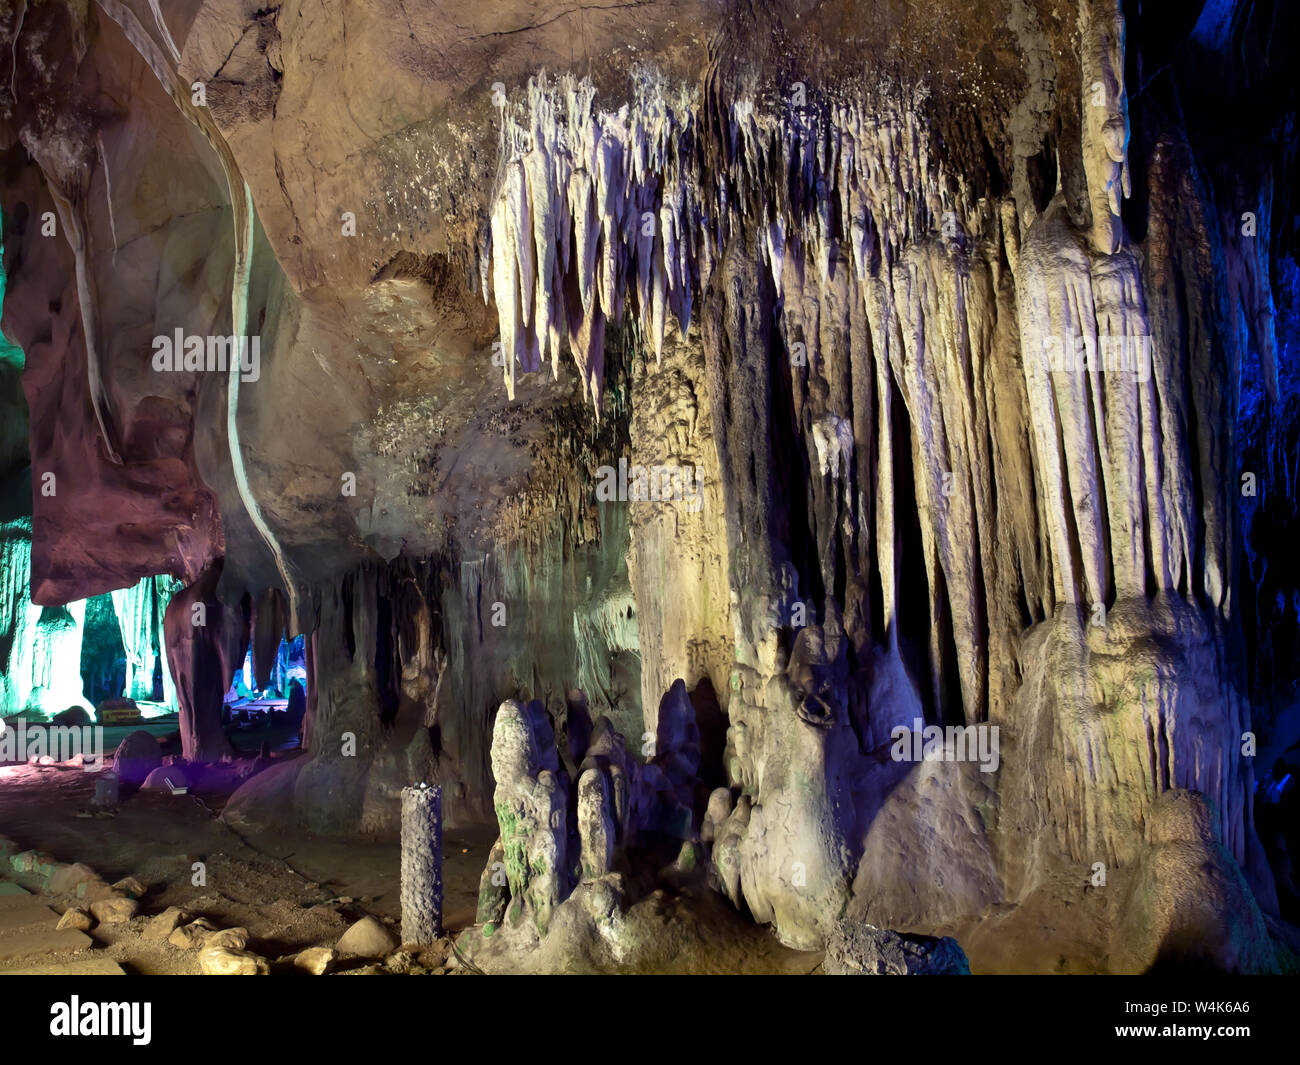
(531, 807)
(421, 865)
(820, 469)
(595, 824)
(858, 949)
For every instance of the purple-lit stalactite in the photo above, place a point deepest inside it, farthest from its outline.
(421, 864)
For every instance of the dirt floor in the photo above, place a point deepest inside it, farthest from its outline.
(289, 891)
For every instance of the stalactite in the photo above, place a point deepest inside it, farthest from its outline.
(164, 587)
(241, 204)
(134, 608)
(18, 616)
(40, 647)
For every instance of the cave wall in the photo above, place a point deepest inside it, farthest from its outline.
(831, 289)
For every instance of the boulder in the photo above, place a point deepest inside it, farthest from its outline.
(314, 960)
(222, 961)
(92, 890)
(130, 887)
(74, 716)
(115, 909)
(856, 948)
(136, 757)
(67, 878)
(192, 935)
(366, 939)
(76, 918)
(166, 778)
(161, 927)
(228, 938)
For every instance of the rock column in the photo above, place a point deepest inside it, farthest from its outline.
(421, 864)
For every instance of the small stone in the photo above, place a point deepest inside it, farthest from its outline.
(400, 962)
(366, 939)
(229, 938)
(221, 961)
(314, 960)
(192, 935)
(31, 862)
(435, 955)
(115, 909)
(68, 878)
(130, 887)
(92, 890)
(107, 791)
(162, 926)
(169, 779)
(76, 918)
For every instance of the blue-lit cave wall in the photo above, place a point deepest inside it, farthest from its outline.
(1269, 446)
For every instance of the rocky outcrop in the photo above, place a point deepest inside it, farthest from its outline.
(857, 949)
(560, 835)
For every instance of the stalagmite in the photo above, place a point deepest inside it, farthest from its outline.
(134, 608)
(421, 880)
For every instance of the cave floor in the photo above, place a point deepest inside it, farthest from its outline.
(290, 890)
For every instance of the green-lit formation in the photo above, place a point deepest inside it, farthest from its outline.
(44, 649)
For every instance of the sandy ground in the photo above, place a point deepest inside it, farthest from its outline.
(290, 892)
(289, 889)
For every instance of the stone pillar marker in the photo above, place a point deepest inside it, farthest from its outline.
(421, 864)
